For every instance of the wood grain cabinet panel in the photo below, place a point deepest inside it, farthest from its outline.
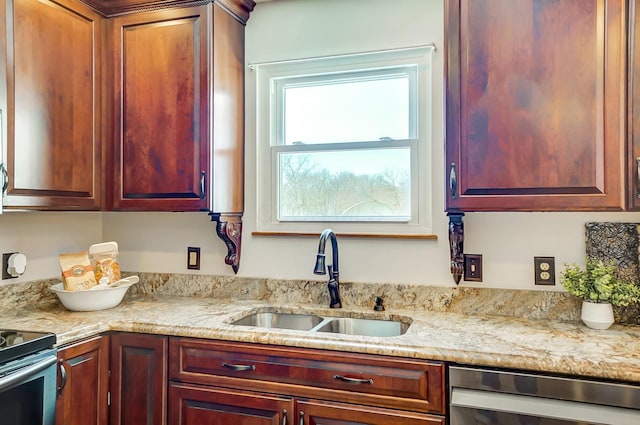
(317, 412)
(633, 107)
(138, 379)
(83, 383)
(535, 95)
(197, 405)
(224, 383)
(52, 116)
(160, 113)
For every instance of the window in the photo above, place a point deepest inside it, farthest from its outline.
(345, 141)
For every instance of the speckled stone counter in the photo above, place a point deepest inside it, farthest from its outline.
(566, 347)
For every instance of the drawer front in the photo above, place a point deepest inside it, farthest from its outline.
(385, 381)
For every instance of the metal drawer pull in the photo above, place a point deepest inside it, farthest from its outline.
(203, 189)
(353, 380)
(301, 421)
(239, 366)
(284, 417)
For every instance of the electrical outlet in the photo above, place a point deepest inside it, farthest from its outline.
(473, 267)
(545, 270)
(5, 266)
(193, 258)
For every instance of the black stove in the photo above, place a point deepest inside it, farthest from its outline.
(15, 344)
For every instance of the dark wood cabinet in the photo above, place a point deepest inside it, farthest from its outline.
(535, 105)
(138, 379)
(51, 105)
(318, 412)
(160, 70)
(225, 382)
(195, 405)
(633, 107)
(83, 382)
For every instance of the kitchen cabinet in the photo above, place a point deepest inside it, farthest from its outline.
(633, 107)
(222, 379)
(161, 132)
(194, 405)
(138, 379)
(535, 105)
(178, 114)
(83, 388)
(51, 105)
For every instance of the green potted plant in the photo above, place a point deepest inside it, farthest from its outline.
(599, 287)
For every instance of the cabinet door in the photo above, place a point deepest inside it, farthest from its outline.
(83, 383)
(160, 115)
(195, 405)
(52, 148)
(535, 92)
(315, 412)
(138, 379)
(633, 185)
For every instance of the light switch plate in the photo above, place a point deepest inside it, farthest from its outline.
(473, 267)
(545, 270)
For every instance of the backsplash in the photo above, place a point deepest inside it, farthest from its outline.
(607, 241)
(472, 301)
(617, 242)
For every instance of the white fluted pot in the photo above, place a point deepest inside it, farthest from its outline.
(597, 315)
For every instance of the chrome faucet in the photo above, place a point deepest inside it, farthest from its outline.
(334, 284)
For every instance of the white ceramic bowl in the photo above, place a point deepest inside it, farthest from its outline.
(90, 299)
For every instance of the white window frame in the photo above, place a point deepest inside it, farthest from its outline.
(268, 128)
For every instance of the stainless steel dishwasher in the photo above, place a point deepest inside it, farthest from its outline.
(481, 396)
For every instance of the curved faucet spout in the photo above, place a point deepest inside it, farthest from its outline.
(320, 268)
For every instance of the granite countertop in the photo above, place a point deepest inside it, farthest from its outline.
(541, 345)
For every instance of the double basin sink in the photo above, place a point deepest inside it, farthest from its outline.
(318, 323)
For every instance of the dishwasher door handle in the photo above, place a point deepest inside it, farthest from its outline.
(462, 398)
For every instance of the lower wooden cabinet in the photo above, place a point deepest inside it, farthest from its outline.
(318, 412)
(83, 383)
(138, 379)
(196, 405)
(159, 380)
(217, 382)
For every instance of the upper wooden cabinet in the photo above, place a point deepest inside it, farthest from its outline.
(535, 105)
(51, 105)
(633, 106)
(160, 113)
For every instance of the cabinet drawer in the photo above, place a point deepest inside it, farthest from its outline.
(365, 379)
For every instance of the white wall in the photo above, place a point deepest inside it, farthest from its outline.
(285, 29)
(41, 236)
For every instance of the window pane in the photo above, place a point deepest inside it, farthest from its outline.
(371, 184)
(347, 111)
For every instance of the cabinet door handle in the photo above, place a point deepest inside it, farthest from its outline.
(284, 417)
(203, 189)
(301, 421)
(453, 181)
(238, 367)
(5, 178)
(3, 170)
(638, 172)
(353, 380)
(63, 378)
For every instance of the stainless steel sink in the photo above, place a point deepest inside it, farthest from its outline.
(301, 322)
(366, 327)
(336, 325)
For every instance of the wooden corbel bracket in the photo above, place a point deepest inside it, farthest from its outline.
(456, 239)
(229, 229)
